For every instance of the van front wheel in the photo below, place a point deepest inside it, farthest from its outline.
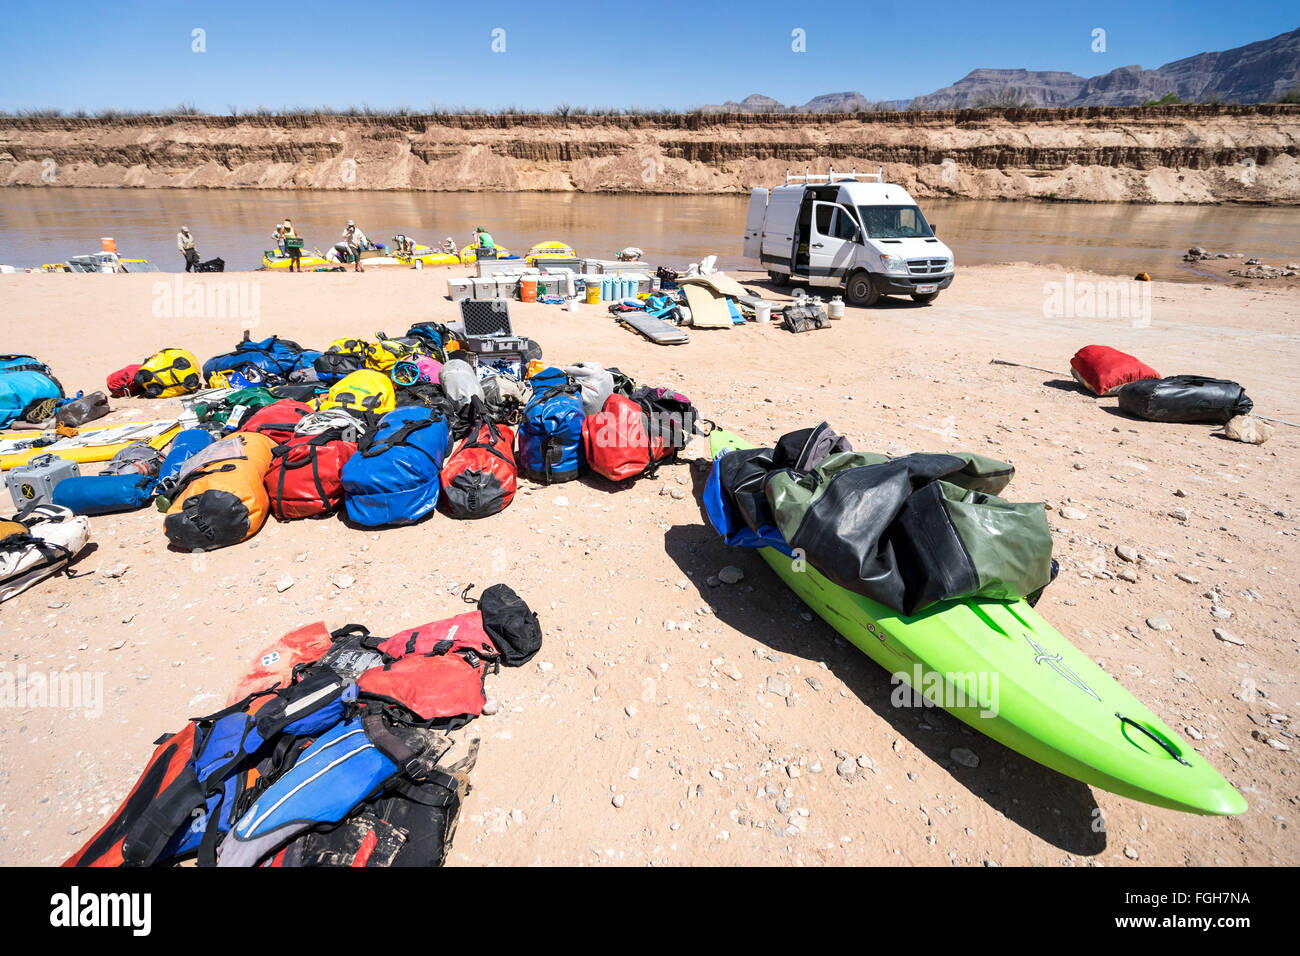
(859, 290)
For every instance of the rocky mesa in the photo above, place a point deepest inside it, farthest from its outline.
(1189, 154)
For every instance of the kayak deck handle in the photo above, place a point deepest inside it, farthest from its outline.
(1166, 745)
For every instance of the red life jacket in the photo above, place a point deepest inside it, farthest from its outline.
(616, 443)
(479, 476)
(438, 671)
(275, 664)
(168, 762)
(455, 634)
(122, 384)
(277, 420)
(304, 478)
(437, 687)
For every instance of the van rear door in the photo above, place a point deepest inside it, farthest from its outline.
(754, 223)
(778, 228)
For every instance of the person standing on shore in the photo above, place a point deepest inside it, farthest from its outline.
(294, 249)
(185, 243)
(356, 241)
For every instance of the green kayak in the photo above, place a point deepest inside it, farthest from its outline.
(1002, 669)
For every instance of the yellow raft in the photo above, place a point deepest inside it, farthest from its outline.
(275, 259)
(552, 249)
(96, 443)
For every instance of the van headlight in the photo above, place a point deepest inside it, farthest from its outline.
(894, 265)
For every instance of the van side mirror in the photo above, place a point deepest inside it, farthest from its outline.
(934, 229)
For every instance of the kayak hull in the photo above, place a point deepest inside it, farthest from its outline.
(1003, 670)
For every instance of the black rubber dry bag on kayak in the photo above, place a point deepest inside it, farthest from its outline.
(1185, 399)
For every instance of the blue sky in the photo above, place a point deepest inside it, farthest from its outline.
(138, 55)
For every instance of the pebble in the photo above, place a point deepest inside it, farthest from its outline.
(1073, 514)
(1180, 514)
(1222, 613)
(776, 684)
(116, 571)
(1187, 578)
(965, 757)
(1131, 852)
(491, 707)
(731, 575)
(619, 800)
(283, 584)
(1159, 624)
(1227, 638)
(846, 767)
(630, 710)
(1127, 574)
(343, 581)
(1126, 552)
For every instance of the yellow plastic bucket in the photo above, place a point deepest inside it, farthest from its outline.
(593, 293)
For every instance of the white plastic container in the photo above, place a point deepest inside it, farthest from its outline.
(835, 308)
(762, 312)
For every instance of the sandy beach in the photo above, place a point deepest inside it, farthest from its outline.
(656, 687)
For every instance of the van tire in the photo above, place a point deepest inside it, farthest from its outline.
(779, 279)
(925, 299)
(860, 291)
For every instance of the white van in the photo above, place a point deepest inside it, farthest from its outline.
(847, 230)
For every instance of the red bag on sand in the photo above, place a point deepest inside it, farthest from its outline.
(616, 443)
(277, 421)
(121, 384)
(275, 664)
(304, 478)
(1104, 370)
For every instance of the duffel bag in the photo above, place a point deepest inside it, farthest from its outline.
(169, 373)
(224, 501)
(25, 383)
(277, 420)
(1185, 399)
(84, 408)
(366, 391)
(104, 494)
(479, 476)
(616, 442)
(343, 357)
(1104, 370)
(36, 544)
(304, 478)
(550, 434)
(393, 477)
(121, 384)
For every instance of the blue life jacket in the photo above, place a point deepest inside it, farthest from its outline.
(393, 477)
(550, 435)
(337, 772)
(196, 809)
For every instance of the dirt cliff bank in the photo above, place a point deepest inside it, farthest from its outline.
(1194, 154)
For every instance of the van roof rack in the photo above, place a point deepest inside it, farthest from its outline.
(810, 178)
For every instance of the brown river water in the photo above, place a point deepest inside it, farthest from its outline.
(39, 225)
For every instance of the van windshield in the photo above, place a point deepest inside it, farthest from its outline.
(894, 222)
